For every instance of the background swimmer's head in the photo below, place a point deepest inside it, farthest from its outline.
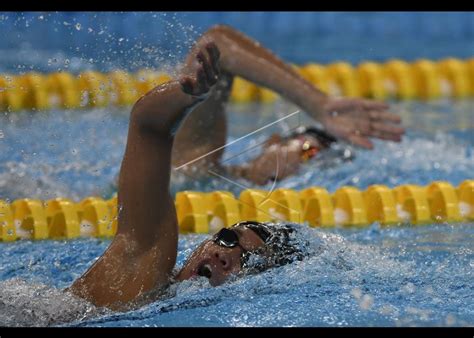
(296, 148)
(246, 247)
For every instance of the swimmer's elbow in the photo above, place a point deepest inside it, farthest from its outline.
(220, 28)
(217, 31)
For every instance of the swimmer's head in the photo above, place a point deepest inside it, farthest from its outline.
(282, 155)
(246, 247)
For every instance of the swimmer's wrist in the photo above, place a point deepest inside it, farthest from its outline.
(316, 107)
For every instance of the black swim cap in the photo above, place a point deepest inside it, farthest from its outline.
(281, 247)
(321, 135)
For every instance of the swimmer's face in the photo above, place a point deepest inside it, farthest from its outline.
(217, 262)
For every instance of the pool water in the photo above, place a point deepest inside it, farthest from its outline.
(375, 275)
(369, 276)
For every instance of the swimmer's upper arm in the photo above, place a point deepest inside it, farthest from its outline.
(244, 57)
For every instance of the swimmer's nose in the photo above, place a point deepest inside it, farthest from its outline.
(222, 260)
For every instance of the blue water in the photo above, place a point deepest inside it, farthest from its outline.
(396, 276)
(399, 276)
(78, 153)
(132, 40)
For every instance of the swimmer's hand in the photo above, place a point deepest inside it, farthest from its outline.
(355, 120)
(202, 74)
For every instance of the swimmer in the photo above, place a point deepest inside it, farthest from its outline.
(183, 119)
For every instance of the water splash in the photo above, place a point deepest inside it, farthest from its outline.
(28, 304)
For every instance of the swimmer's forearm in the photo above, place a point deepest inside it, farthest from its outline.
(147, 208)
(145, 171)
(246, 58)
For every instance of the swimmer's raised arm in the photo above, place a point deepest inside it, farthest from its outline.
(354, 120)
(142, 255)
(244, 57)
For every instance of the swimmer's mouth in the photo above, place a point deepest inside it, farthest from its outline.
(205, 271)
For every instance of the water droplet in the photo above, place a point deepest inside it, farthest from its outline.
(450, 320)
(366, 302)
(1, 134)
(410, 288)
(356, 292)
(78, 26)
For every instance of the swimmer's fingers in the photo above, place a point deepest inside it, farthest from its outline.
(376, 115)
(214, 52)
(206, 65)
(214, 56)
(386, 131)
(187, 85)
(202, 83)
(387, 128)
(195, 86)
(353, 134)
(374, 105)
(360, 141)
(385, 136)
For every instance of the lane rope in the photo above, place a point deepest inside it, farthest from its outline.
(199, 212)
(395, 79)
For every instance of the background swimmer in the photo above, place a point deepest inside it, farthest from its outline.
(138, 264)
(204, 131)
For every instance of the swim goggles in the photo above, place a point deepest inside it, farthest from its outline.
(308, 150)
(228, 238)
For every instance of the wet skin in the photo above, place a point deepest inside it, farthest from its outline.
(279, 159)
(217, 263)
(184, 118)
(352, 120)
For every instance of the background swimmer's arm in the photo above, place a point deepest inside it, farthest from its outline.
(351, 119)
(244, 57)
(143, 253)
